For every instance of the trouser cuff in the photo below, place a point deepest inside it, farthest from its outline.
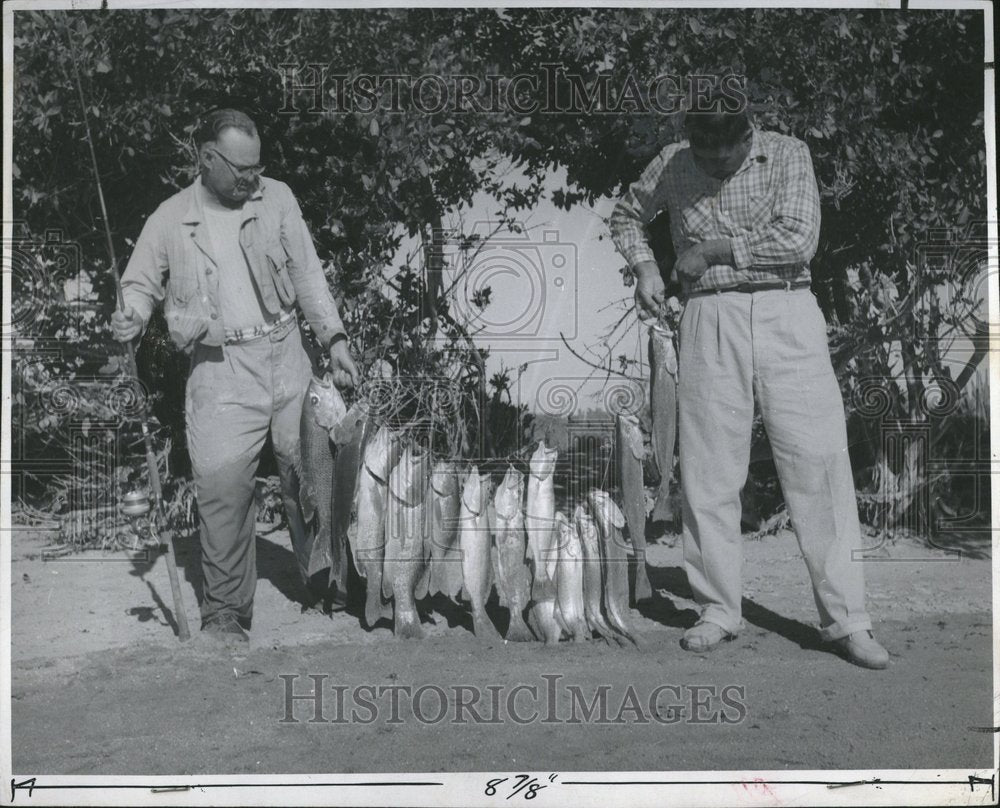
(728, 624)
(837, 631)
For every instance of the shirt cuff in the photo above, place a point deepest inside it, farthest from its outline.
(327, 330)
(638, 254)
(742, 256)
(141, 305)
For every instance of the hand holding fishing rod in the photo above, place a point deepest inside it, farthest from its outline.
(126, 325)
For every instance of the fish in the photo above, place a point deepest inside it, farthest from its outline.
(367, 531)
(610, 522)
(539, 522)
(569, 581)
(663, 412)
(350, 438)
(443, 573)
(474, 539)
(630, 454)
(405, 554)
(512, 569)
(322, 410)
(593, 575)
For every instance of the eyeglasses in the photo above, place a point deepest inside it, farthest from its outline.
(241, 172)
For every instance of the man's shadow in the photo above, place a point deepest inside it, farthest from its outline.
(673, 582)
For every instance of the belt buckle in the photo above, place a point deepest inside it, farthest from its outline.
(280, 327)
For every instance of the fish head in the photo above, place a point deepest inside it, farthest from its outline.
(563, 527)
(485, 490)
(444, 479)
(324, 402)
(605, 510)
(584, 522)
(662, 349)
(569, 538)
(630, 434)
(509, 494)
(543, 461)
(377, 459)
(408, 480)
(471, 483)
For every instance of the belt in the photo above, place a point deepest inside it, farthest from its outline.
(759, 286)
(235, 336)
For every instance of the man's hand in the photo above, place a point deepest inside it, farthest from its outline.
(126, 325)
(649, 289)
(693, 263)
(342, 368)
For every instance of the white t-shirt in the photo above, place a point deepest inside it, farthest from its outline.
(239, 304)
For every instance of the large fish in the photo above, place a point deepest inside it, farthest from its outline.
(539, 522)
(610, 522)
(570, 612)
(630, 454)
(663, 409)
(444, 570)
(405, 554)
(474, 539)
(350, 438)
(367, 532)
(593, 575)
(512, 570)
(322, 410)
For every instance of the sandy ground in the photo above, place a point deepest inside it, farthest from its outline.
(101, 685)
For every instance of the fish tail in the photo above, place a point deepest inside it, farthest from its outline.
(483, 626)
(643, 589)
(375, 609)
(542, 620)
(621, 627)
(599, 626)
(423, 587)
(407, 625)
(409, 630)
(580, 631)
(662, 511)
(518, 630)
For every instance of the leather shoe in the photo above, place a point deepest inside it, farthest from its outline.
(863, 649)
(227, 629)
(704, 636)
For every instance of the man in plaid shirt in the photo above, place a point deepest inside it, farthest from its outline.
(744, 216)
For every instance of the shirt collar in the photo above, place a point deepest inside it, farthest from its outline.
(757, 153)
(195, 213)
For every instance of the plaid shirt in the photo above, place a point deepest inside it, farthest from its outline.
(768, 209)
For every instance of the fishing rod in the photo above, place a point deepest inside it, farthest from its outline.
(165, 534)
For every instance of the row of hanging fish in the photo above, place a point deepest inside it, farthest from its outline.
(417, 527)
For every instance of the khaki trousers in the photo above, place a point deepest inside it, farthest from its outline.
(772, 345)
(235, 394)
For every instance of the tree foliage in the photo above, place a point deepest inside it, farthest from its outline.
(890, 105)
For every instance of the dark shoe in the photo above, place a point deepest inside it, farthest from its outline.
(226, 628)
(704, 636)
(863, 649)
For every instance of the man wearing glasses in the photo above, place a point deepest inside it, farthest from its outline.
(230, 257)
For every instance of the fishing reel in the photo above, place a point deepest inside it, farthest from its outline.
(137, 509)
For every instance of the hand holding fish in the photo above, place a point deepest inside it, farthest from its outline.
(342, 368)
(649, 289)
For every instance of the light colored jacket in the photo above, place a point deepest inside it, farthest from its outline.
(172, 263)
